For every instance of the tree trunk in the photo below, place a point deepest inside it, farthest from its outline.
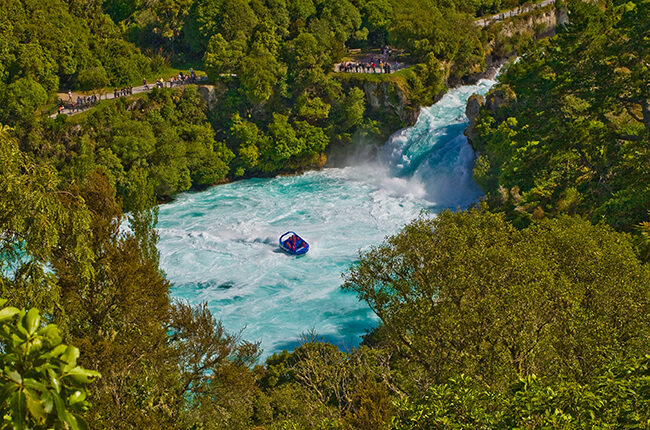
(645, 107)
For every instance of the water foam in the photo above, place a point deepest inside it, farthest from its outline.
(220, 245)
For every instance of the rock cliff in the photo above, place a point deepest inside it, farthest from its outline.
(389, 97)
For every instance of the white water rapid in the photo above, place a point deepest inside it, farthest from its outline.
(221, 245)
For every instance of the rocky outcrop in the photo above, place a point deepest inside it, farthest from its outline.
(539, 23)
(496, 98)
(473, 108)
(387, 95)
(210, 94)
(135, 105)
(493, 101)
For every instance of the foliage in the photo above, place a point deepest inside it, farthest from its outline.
(618, 398)
(93, 79)
(63, 247)
(215, 374)
(567, 130)
(264, 57)
(468, 293)
(465, 293)
(423, 27)
(41, 384)
(44, 45)
(162, 141)
(337, 389)
(35, 214)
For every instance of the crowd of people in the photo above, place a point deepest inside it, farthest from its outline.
(294, 243)
(381, 64)
(77, 105)
(369, 67)
(173, 80)
(85, 102)
(125, 91)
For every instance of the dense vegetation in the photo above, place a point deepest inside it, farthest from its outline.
(280, 108)
(519, 313)
(570, 129)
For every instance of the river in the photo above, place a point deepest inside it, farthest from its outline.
(221, 245)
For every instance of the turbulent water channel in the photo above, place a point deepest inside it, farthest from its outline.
(221, 245)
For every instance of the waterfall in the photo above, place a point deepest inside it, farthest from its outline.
(221, 245)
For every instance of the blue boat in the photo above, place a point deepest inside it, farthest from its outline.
(293, 244)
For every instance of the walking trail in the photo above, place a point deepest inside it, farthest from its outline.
(71, 108)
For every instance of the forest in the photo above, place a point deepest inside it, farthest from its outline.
(529, 310)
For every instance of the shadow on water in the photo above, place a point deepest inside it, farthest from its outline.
(349, 336)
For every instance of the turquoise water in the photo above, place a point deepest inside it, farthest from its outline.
(221, 245)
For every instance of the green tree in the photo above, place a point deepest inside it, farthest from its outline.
(377, 17)
(170, 17)
(260, 72)
(237, 20)
(314, 110)
(250, 141)
(307, 62)
(284, 142)
(93, 79)
(623, 60)
(618, 398)
(468, 293)
(36, 212)
(217, 386)
(355, 107)
(22, 100)
(575, 136)
(222, 56)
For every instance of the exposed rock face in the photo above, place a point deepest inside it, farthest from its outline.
(209, 94)
(532, 23)
(493, 101)
(474, 104)
(388, 95)
(136, 105)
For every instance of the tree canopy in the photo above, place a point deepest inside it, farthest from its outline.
(567, 129)
(468, 293)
